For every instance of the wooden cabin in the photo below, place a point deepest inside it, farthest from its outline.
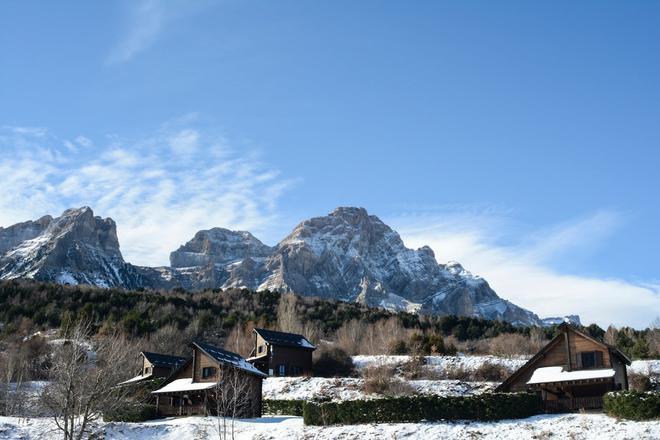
(573, 371)
(209, 382)
(281, 354)
(156, 365)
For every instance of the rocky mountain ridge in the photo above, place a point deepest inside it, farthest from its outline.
(347, 255)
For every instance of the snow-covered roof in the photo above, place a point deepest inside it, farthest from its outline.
(557, 374)
(186, 384)
(284, 339)
(135, 379)
(229, 358)
(163, 360)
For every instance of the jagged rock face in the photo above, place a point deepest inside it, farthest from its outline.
(218, 246)
(570, 319)
(347, 255)
(76, 247)
(353, 256)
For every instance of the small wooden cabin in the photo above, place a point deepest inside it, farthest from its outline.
(573, 371)
(156, 365)
(207, 381)
(281, 354)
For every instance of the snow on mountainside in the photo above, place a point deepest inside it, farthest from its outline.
(347, 255)
(354, 256)
(75, 248)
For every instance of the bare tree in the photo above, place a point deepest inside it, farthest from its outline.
(13, 367)
(287, 315)
(240, 339)
(233, 399)
(83, 379)
(350, 336)
(610, 335)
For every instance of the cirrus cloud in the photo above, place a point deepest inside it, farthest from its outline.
(520, 266)
(160, 189)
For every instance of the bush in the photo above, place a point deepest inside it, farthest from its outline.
(282, 407)
(414, 368)
(495, 406)
(132, 413)
(490, 372)
(633, 405)
(639, 382)
(332, 362)
(458, 373)
(430, 344)
(398, 347)
(380, 380)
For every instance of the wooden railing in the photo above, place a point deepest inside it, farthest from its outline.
(186, 410)
(575, 404)
(587, 403)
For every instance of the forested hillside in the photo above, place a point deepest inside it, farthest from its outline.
(165, 320)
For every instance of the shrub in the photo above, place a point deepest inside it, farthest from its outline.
(495, 406)
(398, 347)
(633, 405)
(639, 382)
(414, 368)
(332, 362)
(132, 413)
(491, 372)
(282, 407)
(380, 380)
(458, 373)
(430, 344)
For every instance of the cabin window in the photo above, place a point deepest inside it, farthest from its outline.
(590, 359)
(208, 372)
(281, 369)
(260, 349)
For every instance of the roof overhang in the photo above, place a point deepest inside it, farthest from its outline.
(183, 385)
(545, 375)
(135, 379)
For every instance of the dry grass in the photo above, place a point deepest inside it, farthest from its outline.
(381, 380)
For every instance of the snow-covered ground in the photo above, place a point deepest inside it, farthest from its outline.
(647, 367)
(441, 363)
(473, 362)
(574, 426)
(284, 388)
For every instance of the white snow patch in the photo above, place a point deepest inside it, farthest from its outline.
(557, 374)
(578, 426)
(184, 385)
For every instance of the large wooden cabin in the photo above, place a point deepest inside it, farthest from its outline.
(573, 371)
(211, 374)
(281, 354)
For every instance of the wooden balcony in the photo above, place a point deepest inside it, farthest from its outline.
(185, 410)
(571, 405)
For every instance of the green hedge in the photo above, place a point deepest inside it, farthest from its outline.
(132, 413)
(491, 406)
(633, 405)
(283, 407)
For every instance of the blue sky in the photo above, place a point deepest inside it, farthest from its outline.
(519, 138)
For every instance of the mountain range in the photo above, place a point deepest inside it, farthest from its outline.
(346, 255)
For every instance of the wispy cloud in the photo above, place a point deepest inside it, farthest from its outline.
(522, 269)
(144, 23)
(160, 189)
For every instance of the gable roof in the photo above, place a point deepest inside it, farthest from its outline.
(163, 360)
(514, 376)
(611, 348)
(283, 339)
(229, 358)
(564, 328)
